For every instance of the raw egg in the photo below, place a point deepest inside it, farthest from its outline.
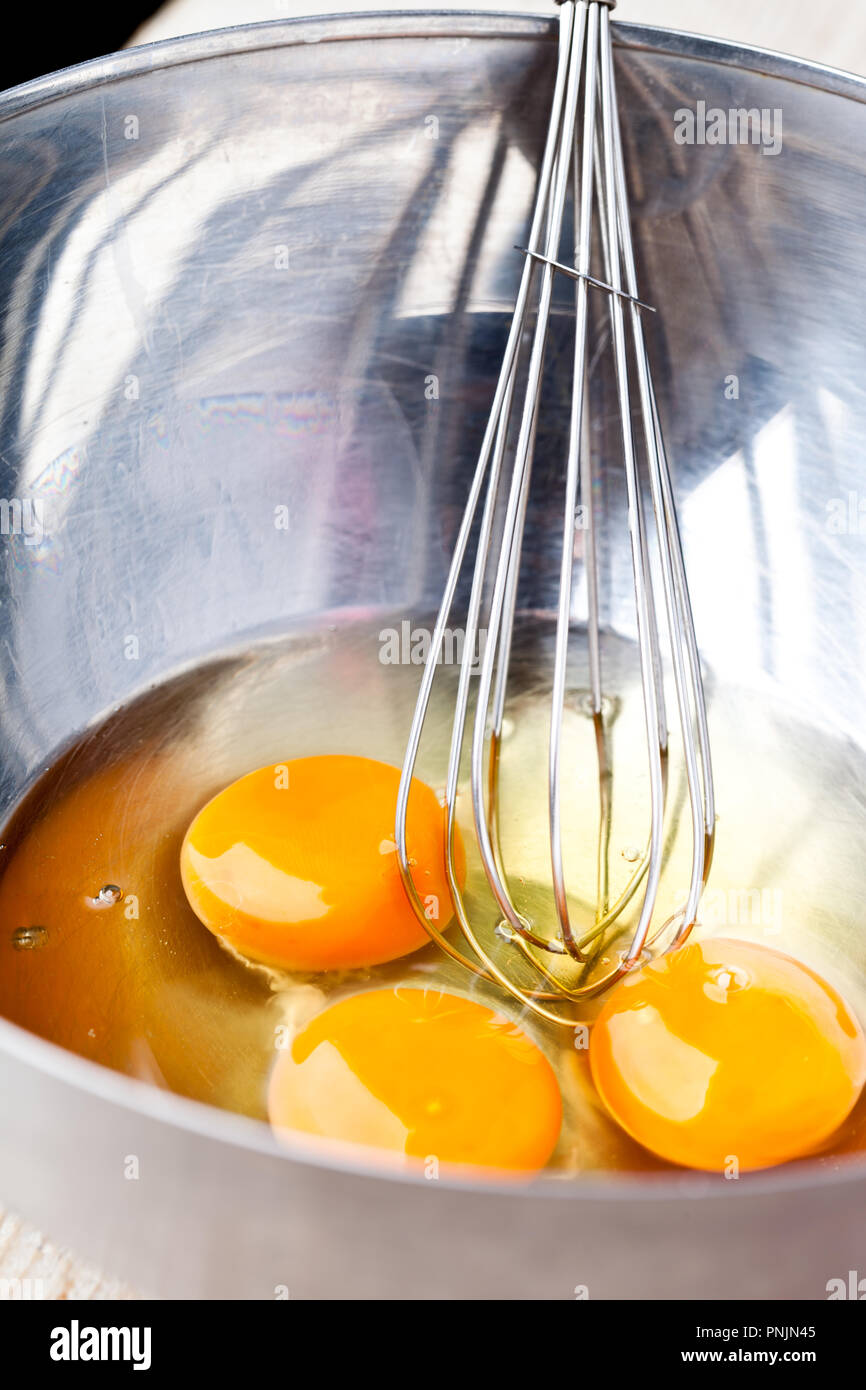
(295, 865)
(427, 1074)
(725, 1053)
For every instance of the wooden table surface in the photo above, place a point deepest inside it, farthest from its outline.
(832, 33)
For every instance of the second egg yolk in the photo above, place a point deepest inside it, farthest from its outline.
(727, 1053)
(429, 1074)
(295, 865)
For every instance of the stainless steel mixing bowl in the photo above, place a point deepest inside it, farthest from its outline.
(272, 267)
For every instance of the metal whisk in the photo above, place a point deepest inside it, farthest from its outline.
(589, 158)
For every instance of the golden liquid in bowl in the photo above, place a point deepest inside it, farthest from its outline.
(101, 953)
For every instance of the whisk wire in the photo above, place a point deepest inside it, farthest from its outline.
(594, 165)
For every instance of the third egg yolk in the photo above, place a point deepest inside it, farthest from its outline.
(295, 865)
(429, 1074)
(727, 1052)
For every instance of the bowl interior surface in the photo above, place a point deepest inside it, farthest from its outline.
(254, 288)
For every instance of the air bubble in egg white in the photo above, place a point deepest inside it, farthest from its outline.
(29, 938)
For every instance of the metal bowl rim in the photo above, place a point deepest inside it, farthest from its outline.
(287, 33)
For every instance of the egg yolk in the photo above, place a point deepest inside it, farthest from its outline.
(727, 1051)
(423, 1073)
(295, 865)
